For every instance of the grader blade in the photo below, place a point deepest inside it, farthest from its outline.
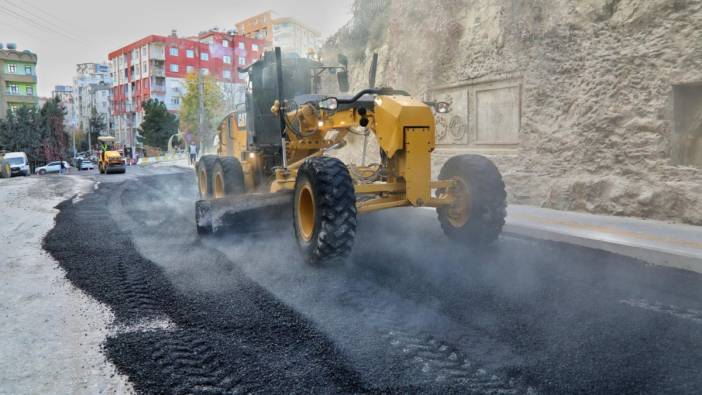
(243, 214)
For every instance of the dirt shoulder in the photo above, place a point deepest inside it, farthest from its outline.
(51, 333)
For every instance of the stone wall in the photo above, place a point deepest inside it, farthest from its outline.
(573, 99)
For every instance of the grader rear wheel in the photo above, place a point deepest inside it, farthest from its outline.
(478, 213)
(324, 210)
(227, 177)
(204, 170)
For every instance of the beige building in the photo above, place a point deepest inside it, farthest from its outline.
(287, 33)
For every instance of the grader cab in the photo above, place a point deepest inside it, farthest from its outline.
(273, 159)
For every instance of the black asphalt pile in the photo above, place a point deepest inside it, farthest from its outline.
(240, 341)
(409, 312)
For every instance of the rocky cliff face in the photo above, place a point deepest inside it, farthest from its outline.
(587, 86)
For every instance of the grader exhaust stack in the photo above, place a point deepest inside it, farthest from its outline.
(272, 162)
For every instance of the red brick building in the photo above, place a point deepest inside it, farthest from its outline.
(157, 66)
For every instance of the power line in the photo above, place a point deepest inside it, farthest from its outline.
(51, 17)
(12, 13)
(49, 22)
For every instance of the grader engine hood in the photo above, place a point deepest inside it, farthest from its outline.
(393, 114)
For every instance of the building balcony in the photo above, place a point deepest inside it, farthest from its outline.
(20, 98)
(157, 72)
(158, 55)
(25, 78)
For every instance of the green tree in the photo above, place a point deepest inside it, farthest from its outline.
(190, 107)
(158, 124)
(96, 125)
(22, 130)
(55, 139)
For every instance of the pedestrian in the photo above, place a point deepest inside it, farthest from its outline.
(63, 167)
(193, 153)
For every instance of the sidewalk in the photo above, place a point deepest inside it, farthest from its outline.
(655, 242)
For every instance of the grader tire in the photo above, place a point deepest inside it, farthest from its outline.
(476, 220)
(204, 169)
(227, 177)
(324, 210)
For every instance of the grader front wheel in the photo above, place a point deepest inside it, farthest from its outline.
(324, 210)
(478, 213)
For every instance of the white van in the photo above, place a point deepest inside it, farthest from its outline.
(19, 164)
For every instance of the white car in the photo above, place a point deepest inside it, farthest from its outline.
(85, 164)
(19, 165)
(52, 167)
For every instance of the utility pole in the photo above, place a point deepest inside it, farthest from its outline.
(73, 132)
(201, 110)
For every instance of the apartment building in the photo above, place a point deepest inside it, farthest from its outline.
(156, 67)
(287, 33)
(18, 78)
(87, 83)
(65, 94)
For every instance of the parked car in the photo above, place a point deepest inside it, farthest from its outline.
(19, 165)
(52, 167)
(86, 164)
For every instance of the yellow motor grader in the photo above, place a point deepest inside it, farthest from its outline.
(273, 159)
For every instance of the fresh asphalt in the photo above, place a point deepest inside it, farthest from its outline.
(408, 312)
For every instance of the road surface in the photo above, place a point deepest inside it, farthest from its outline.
(408, 312)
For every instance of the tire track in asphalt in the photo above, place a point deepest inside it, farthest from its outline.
(437, 367)
(169, 341)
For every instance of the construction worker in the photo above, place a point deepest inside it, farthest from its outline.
(104, 148)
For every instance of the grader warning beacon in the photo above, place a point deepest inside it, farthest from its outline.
(273, 159)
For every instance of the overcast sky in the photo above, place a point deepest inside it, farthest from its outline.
(66, 32)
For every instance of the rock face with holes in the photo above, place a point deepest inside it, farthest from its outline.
(588, 105)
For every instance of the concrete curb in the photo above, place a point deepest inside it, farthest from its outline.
(157, 159)
(648, 254)
(652, 242)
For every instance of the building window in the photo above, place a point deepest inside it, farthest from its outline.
(30, 91)
(242, 61)
(225, 43)
(143, 67)
(254, 47)
(189, 53)
(13, 89)
(174, 68)
(243, 76)
(227, 59)
(175, 101)
(204, 56)
(173, 51)
(227, 74)
(205, 71)
(28, 70)
(11, 68)
(242, 45)
(189, 69)
(143, 52)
